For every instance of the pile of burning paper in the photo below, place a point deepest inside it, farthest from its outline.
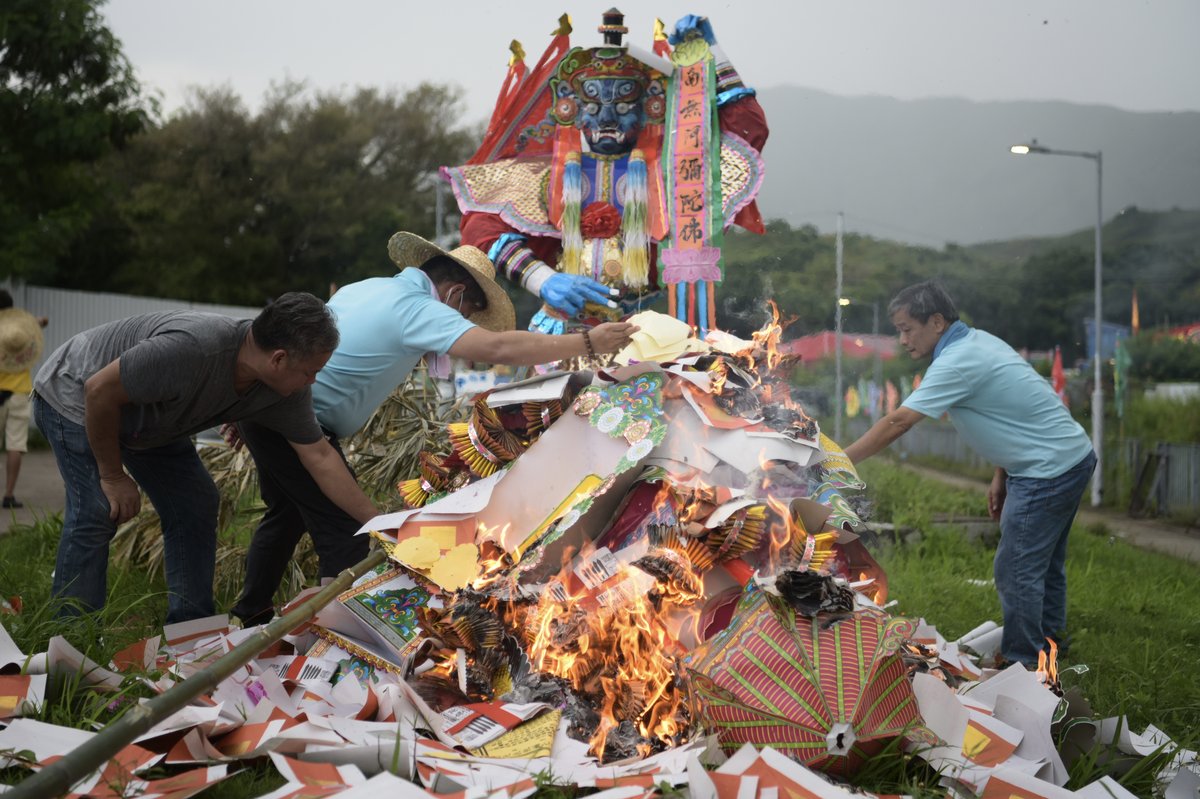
(622, 577)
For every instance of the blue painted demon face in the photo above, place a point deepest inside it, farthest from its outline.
(610, 114)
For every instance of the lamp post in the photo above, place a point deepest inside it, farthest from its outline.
(838, 400)
(1097, 322)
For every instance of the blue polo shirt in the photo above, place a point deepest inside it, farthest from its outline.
(386, 324)
(1002, 407)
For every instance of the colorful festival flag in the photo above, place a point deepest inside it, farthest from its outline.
(1057, 378)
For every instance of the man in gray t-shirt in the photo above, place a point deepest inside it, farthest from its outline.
(128, 395)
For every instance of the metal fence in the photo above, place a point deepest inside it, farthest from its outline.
(1147, 478)
(1158, 479)
(72, 312)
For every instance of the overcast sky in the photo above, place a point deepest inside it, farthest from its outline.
(1139, 55)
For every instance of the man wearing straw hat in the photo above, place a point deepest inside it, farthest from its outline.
(20, 347)
(450, 306)
(120, 403)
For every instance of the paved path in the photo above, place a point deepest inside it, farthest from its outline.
(1170, 539)
(39, 486)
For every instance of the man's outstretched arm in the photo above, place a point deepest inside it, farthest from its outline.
(883, 433)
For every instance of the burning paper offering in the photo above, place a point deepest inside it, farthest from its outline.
(644, 575)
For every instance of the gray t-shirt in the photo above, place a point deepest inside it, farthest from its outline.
(178, 369)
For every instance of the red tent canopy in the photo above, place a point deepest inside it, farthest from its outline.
(854, 345)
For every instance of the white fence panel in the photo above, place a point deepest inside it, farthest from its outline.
(72, 312)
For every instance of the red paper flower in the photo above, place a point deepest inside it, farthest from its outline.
(600, 221)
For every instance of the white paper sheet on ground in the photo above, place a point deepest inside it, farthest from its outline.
(1006, 782)
(566, 750)
(977, 631)
(193, 747)
(62, 658)
(1108, 788)
(1184, 785)
(321, 776)
(298, 737)
(986, 644)
(44, 740)
(540, 388)
(21, 694)
(1019, 683)
(1037, 743)
(183, 636)
(179, 786)
(469, 500)
(187, 717)
(476, 724)
(12, 659)
(988, 741)
(1130, 742)
(386, 786)
(739, 761)
(298, 669)
(791, 770)
(928, 635)
(700, 783)
(940, 708)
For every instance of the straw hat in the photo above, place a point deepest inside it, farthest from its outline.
(20, 340)
(409, 249)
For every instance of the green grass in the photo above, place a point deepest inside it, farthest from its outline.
(1134, 617)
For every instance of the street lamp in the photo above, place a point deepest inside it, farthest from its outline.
(1097, 324)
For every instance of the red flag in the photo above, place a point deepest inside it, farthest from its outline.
(1058, 379)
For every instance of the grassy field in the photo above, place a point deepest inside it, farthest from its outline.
(1134, 618)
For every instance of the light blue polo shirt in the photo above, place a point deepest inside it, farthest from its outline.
(386, 324)
(1002, 407)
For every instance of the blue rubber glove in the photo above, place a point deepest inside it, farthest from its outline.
(689, 23)
(568, 293)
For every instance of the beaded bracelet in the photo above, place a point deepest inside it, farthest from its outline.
(587, 341)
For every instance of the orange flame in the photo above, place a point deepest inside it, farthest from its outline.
(1047, 670)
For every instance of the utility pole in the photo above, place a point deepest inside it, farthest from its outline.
(878, 357)
(839, 400)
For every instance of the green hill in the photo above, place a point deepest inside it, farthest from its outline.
(1033, 292)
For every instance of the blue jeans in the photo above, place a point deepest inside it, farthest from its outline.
(178, 486)
(1031, 560)
(295, 503)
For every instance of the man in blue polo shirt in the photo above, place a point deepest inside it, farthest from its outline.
(450, 306)
(1009, 414)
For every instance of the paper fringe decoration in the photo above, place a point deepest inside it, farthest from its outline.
(740, 534)
(635, 224)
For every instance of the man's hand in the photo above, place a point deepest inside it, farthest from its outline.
(124, 499)
(612, 336)
(232, 437)
(568, 293)
(997, 491)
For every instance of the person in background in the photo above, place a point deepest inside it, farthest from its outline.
(119, 403)
(440, 304)
(20, 347)
(1008, 413)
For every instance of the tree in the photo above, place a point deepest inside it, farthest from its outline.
(69, 96)
(220, 205)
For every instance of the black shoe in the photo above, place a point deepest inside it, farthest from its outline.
(11, 502)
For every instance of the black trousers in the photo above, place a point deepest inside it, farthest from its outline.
(295, 504)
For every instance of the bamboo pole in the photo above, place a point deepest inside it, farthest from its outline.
(59, 777)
